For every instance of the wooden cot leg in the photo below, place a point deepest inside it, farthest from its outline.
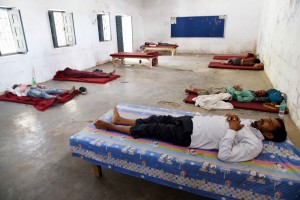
(122, 61)
(150, 64)
(114, 61)
(97, 170)
(172, 52)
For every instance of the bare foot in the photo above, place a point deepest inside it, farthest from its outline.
(116, 118)
(113, 72)
(58, 97)
(72, 90)
(99, 124)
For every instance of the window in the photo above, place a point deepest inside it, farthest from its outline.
(103, 27)
(12, 38)
(62, 28)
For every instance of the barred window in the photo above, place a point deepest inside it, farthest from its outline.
(12, 38)
(104, 27)
(62, 28)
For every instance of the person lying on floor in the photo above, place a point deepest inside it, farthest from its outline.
(38, 91)
(245, 62)
(242, 95)
(237, 92)
(86, 74)
(236, 142)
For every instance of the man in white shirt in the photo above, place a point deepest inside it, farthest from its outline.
(235, 141)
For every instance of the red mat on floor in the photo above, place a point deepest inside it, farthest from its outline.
(226, 57)
(59, 76)
(226, 66)
(39, 103)
(243, 105)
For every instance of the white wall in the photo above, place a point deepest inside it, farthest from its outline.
(279, 48)
(240, 28)
(45, 59)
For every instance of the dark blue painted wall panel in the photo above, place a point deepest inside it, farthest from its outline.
(199, 26)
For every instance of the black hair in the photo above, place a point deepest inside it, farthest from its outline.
(279, 134)
(14, 86)
(256, 61)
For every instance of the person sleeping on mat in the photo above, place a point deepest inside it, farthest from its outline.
(244, 62)
(237, 92)
(242, 95)
(38, 91)
(86, 74)
(235, 141)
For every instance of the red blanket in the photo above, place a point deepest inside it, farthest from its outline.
(265, 107)
(226, 66)
(61, 76)
(39, 103)
(226, 57)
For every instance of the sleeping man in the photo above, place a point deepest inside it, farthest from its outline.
(38, 91)
(235, 141)
(245, 62)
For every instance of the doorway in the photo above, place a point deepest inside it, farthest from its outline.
(124, 33)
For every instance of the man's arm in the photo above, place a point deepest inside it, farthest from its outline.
(244, 96)
(229, 152)
(246, 150)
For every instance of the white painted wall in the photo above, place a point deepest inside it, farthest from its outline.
(240, 28)
(45, 59)
(279, 48)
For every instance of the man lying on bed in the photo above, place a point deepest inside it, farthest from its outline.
(245, 62)
(242, 95)
(236, 142)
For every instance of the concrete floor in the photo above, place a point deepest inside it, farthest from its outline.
(35, 157)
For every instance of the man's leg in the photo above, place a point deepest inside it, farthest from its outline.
(38, 93)
(117, 119)
(158, 131)
(53, 91)
(213, 90)
(99, 124)
(248, 61)
(177, 133)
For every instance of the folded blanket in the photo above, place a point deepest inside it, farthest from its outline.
(213, 101)
(39, 103)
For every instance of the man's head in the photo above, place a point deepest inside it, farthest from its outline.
(15, 85)
(272, 129)
(260, 93)
(256, 61)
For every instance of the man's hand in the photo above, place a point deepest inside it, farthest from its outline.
(237, 87)
(234, 122)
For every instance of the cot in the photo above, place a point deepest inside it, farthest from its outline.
(274, 174)
(151, 56)
(171, 48)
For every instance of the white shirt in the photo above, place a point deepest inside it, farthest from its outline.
(212, 132)
(20, 91)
